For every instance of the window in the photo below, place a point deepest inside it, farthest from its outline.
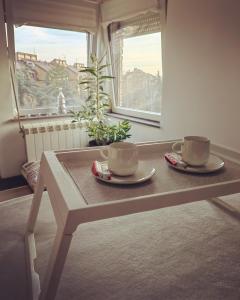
(137, 66)
(47, 68)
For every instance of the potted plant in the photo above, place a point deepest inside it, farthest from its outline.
(96, 106)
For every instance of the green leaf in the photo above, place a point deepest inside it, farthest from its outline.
(103, 67)
(88, 98)
(101, 59)
(86, 69)
(106, 77)
(84, 82)
(105, 105)
(89, 70)
(86, 88)
(103, 93)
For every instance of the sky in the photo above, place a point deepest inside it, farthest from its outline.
(52, 43)
(143, 52)
(139, 52)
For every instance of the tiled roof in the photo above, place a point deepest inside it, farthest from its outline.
(72, 69)
(43, 65)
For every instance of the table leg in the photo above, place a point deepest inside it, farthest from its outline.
(35, 204)
(55, 265)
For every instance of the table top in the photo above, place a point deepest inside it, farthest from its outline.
(77, 165)
(75, 192)
(166, 179)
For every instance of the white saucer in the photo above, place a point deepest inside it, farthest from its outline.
(214, 164)
(143, 174)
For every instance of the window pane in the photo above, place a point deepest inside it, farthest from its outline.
(47, 68)
(137, 63)
(141, 76)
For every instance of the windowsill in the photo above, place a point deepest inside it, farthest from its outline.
(41, 117)
(110, 114)
(135, 120)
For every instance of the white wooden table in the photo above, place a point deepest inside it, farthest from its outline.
(77, 197)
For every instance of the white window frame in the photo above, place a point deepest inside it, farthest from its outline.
(147, 115)
(12, 52)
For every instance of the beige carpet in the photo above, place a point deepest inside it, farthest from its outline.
(186, 252)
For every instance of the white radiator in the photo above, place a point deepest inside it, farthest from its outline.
(58, 135)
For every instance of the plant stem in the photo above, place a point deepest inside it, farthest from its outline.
(97, 92)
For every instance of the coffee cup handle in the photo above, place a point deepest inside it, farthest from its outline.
(104, 149)
(177, 147)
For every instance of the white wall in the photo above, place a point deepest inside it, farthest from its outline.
(202, 70)
(144, 133)
(141, 133)
(12, 151)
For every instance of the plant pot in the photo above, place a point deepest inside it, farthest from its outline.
(93, 143)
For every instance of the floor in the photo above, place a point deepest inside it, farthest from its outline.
(187, 252)
(13, 187)
(15, 193)
(13, 182)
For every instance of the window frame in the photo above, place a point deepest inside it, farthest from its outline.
(140, 114)
(12, 51)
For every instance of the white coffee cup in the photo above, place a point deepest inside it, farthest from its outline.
(195, 150)
(122, 158)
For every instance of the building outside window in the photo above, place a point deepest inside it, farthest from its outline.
(48, 62)
(137, 66)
